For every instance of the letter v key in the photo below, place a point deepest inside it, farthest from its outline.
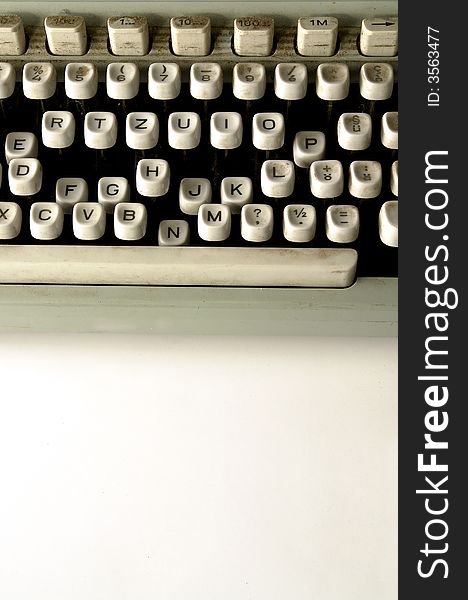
(89, 220)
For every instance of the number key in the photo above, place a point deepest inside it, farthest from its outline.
(291, 81)
(206, 81)
(81, 81)
(253, 36)
(191, 36)
(164, 81)
(39, 80)
(316, 36)
(128, 36)
(249, 81)
(122, 80)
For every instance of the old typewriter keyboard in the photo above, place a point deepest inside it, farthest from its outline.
(189, 177)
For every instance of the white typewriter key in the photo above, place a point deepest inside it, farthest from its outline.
(46, 220)
(299, 223)
(253, 36)
(100, 130)
(81, 81)
(226, 130)
(184, 130)
(164, 81)
(214, 222)
(141, 130)
(58, 129)
(66, 35)
(88, 221)
(236, 192)
(388, 223)
(173, 233)
(10, 220)
(206, 81)
(326, 179)
(7, 80)
(12, 36)
(376, 81)
(342, 223)
(316, 36)
(39, 80)
(354, 131)
(191, 36)
(193, 192)
(112, 191)
(153, 177)
(290, 81)
(308, 147)
(69, 191)
(277, 178)
(20, 144)
(128, 36)
(268, 131)
(394, 178)
(249, 81)
(379, 37)
(389, 130)
(24, 176)
(130, 220)
(365, 178)
(256, 222)
(122, 80)
(332, 81)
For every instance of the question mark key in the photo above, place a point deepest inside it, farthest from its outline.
(256, 222)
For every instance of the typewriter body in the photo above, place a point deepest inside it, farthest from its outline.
(199, 167)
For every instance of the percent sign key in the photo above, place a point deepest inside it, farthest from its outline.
(39, 80)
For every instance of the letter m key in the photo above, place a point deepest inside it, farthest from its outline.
(216, 217)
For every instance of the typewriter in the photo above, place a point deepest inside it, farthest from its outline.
(199, 167)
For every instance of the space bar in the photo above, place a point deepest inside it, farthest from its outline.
(156, 265)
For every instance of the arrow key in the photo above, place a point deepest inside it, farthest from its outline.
(379, 37)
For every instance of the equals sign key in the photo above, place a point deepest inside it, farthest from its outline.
(342, 223)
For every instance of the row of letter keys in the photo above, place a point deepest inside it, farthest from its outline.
(191, 36)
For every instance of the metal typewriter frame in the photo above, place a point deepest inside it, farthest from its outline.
(369, 307)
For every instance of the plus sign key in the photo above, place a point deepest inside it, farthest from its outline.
(326, 179)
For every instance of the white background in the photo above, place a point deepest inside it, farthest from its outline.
(197, 468)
